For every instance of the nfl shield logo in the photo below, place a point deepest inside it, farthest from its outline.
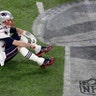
(88, 86)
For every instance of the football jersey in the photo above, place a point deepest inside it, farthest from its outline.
(2, 45)
(4, 32)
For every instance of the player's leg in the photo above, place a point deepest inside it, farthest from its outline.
(40, 60)
(10, 52)
(39, 50)
(13, 50)
(31, 56)
(42, 50)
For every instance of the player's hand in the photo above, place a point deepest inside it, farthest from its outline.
(32, 46)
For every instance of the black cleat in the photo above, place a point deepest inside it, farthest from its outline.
(47, 62)
(44, 50)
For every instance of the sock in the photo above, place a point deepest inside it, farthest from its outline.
(37, 48)
(31, 56)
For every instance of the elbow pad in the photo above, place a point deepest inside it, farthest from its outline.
(30, 36)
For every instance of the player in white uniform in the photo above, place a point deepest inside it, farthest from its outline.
(14, 39)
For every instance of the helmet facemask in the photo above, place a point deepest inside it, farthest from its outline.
(9, 23)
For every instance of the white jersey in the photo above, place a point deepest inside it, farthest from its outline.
(2, 53)
(2, 45)
(4, 32)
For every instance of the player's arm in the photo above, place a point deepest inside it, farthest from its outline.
(18, 43)
(22, 44)
(26, 34)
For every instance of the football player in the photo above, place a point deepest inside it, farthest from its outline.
(14, 40)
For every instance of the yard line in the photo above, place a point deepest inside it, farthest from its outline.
(66, 78)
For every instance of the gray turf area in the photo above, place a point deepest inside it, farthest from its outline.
(72, 25)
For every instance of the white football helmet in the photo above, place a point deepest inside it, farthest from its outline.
(6, 18)
(5, 15)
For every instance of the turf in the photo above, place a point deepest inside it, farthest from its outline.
(21, 77)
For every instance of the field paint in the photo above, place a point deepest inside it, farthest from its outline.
(66, 85)
(40, 7)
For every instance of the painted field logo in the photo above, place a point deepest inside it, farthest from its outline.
(88, 86)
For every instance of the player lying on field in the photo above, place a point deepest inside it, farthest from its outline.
(14, 40)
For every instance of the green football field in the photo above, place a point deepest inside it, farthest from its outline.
(21, 77)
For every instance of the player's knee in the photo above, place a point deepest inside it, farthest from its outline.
(19, 48)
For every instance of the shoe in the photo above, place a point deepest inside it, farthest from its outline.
(44, 50)
(47, 62)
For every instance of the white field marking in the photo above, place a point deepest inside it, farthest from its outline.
(66, 78)
(89, 9)
(40, 7)
(83, 14)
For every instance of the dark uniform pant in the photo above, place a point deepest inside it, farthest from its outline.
(11, 50)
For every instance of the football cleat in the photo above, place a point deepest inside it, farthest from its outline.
(44, 50)
(47, 62)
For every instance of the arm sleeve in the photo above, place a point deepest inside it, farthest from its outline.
(13, 30)
(30, 36)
